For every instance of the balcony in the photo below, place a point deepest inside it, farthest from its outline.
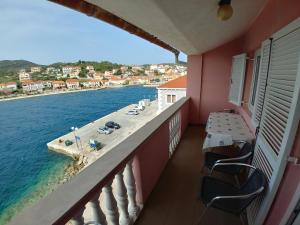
(174, 199)
(115, 188)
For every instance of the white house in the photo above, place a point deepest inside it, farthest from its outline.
(58, 84)
(23, 75)
(35, 69)
(8, 87)
(170, 92)
(72, 71)
(91, 83)
(32, 86)
(72, 84)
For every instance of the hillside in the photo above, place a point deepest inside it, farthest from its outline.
(15, 65)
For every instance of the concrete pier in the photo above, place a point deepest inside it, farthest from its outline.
(129, 124)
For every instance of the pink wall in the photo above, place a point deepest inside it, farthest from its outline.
(215, 79)
(153, 155)
(194, 87)
(215, 76)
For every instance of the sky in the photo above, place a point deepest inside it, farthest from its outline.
(44, 32)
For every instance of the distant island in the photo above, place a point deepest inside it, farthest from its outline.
(21, 78)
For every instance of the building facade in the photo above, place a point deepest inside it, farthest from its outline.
(171, 92)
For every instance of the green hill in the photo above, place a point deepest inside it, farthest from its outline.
(15, 65)
(9, 69)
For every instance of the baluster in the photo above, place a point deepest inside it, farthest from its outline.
(130, 185)
(78, 218)
(121, 196)
(98, 215)
(111, 204)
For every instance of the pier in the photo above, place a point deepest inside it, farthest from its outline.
(81, 147)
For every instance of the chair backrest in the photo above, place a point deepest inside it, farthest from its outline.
(247, 148)
(255, 181)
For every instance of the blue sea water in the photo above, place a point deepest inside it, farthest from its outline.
(28, 171)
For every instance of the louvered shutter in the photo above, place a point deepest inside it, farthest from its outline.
(280, 116)
(237, 79)
(261, 86)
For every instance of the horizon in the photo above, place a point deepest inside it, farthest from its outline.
(45, 33)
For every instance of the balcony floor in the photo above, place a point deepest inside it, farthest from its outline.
(175, 197)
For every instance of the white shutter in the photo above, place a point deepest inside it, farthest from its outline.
(237, 79)
(262, 79)
(280, 116)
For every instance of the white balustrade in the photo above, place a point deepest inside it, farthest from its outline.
(111, 210)
(78, 218)
(175, 132)
(131, 190)
(121, 196)
(97, 213)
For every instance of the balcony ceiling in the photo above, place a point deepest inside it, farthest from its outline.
(190, 26)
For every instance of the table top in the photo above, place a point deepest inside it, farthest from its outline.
(226, 128)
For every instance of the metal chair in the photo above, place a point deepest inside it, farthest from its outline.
(245, 156)
(229, 198)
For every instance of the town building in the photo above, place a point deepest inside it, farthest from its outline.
(35, 69)
(8, 87)
(91, 83)
(72, 71)
(72, 84)
(47, 84)
(90, 68)
(32, 86)
(97, 75)
(58, 84)
(108, 73)
(52, 70)
(23, 75)
(171, 92)
(116, 81)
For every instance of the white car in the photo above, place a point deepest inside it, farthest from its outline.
(104, 130)
(139, 107)
(132, 112)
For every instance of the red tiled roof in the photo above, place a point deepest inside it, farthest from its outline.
(58, 82)
(11, 83)
(72, 81)
(179, 82)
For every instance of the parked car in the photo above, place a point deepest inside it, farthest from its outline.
(139, 107)
(112, 124)
(104, 130)
(132, 112)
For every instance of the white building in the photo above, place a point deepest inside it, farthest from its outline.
(72, 84)
(23, 75)
(91, 83)
(32, 86)
(170, 92)
(35, 69)
(58, 84)
(8, 87)
(72, 71)
(90, 68)
(52, 70)
(47, 84)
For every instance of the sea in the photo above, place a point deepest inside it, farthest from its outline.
(28, 170)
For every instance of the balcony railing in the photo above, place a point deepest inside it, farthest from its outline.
(124, 177)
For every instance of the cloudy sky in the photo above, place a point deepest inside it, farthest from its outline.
(44, 33)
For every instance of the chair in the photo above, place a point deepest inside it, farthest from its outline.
(245, 156)
(229, 198)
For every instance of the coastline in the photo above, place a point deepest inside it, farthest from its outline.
(49, 93)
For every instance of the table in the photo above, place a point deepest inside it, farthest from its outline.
(224, 129)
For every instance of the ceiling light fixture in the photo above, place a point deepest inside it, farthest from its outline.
(225, 10)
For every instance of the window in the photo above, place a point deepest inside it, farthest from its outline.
(254, 82)
(237, 79)
(171, 98)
